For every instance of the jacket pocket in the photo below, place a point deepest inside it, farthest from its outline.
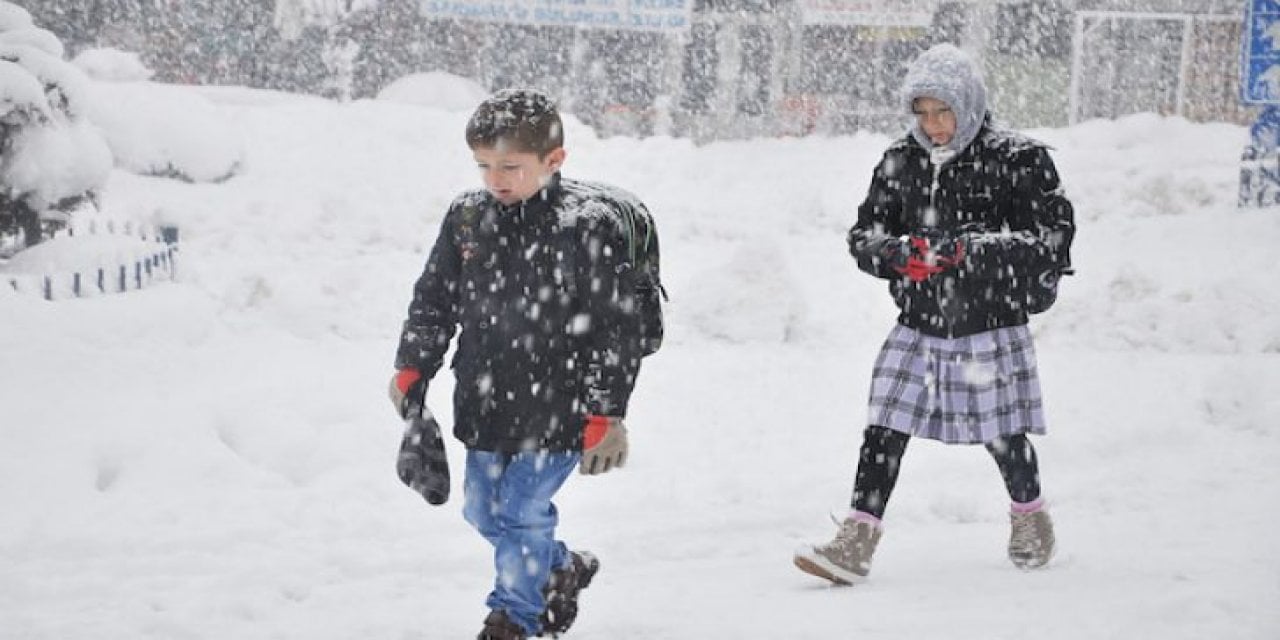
(978, 207)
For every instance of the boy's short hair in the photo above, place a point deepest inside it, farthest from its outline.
(525, 120)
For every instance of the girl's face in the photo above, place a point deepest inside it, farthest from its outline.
(936, 119)
(516, 176)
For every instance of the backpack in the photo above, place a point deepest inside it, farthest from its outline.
(642, 241)
(641, 238)
(1042, 289)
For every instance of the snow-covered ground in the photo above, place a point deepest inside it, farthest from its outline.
(213, 458)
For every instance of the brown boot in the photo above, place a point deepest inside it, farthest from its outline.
(497, 626)
(563, 588)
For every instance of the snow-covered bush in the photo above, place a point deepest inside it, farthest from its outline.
(112, 65)
(53, 160)
(155, 129)
(436, 89)
(161, 130)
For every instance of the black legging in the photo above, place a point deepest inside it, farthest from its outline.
(881, 458)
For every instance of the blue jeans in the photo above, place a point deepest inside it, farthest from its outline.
(508, 500)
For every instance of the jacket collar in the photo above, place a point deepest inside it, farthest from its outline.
(542, 201)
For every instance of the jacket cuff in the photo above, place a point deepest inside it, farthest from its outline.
(601, 402)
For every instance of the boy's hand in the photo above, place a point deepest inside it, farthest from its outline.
(407, 387)
(604, 445)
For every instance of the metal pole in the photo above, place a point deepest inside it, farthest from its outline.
(1184, 65)
(1077, 68)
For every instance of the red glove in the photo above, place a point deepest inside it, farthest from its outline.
(604, 445)
(407, 386)
(405, 379)
(926, 260)
(918, 270)
(593, 433)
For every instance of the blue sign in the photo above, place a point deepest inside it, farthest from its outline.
(1260, 60)
(1260, 85)
(1260, 162)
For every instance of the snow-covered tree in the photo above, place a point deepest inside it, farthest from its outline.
(52, 160)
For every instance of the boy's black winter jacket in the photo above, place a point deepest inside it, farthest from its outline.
(1001, 195)
(546, 295)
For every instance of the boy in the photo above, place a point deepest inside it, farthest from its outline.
(554, 284)
(966, 221)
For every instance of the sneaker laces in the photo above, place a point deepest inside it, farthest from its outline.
(848, 533)
(1025, 534)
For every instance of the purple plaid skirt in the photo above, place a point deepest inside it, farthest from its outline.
(957, 390)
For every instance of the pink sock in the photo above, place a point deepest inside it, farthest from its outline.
(1027, 507)
(863, 516)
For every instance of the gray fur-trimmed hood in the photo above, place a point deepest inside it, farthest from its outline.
(946, 73)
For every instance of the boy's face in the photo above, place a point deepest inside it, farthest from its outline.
(936, 119)
(516, 176)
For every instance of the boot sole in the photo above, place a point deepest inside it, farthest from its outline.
(825, 569)
(592, 568)
(1032, 563)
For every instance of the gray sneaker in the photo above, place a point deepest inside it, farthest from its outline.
(1031, 542)
(845, 560)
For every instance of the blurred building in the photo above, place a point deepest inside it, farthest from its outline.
(1175, 57)
(706, 69)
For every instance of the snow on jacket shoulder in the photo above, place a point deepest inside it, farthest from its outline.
(544, 299)
(1002, 195)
